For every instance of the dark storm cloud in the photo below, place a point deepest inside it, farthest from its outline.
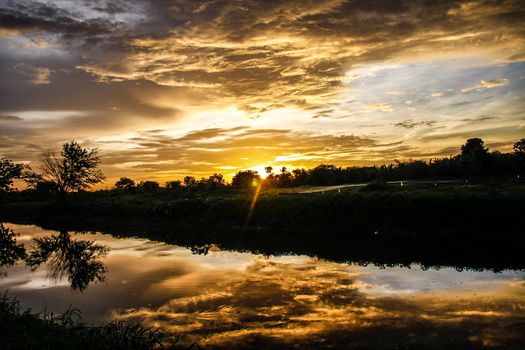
(23, 15)
(75, 90)
(234, 55)
(231, 44)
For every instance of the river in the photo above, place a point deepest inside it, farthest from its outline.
(231, 299)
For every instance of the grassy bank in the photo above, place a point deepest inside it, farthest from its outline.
(476, 226)
(22, 329)
(480, 209)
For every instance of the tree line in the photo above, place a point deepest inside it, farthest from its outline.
(474, 160)
(76, 168)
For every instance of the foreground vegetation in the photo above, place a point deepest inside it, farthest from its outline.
(389, 208)
(476, 225)
(22, 329)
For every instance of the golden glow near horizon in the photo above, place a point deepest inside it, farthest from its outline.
(195, 88)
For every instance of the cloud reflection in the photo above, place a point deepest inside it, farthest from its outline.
(238, 300)
(307, 302)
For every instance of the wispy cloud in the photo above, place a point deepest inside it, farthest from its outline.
(486, 84)
(36, 75)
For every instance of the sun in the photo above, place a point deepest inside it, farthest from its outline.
(260, 169)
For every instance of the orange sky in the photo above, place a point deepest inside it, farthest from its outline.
(167, 89)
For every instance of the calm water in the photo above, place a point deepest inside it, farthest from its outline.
(240, 300)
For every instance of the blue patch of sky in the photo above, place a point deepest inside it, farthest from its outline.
(433, 88)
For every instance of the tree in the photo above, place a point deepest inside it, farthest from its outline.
(125, 184)
(474, 157)
(474, 148)
(8, 172)
(189, 182)
(216, 181)
(75, 168)
(148, 186)
(519, 147)
(245, 179)
(175, 185)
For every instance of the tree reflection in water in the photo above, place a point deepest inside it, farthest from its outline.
(10, 250)
(78, 260)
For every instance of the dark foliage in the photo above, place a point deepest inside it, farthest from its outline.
(10, 250)
(22, 329)
(475, 160)
(246, 179)
(78, 260)
(74, 169)
(9, 171)
(148, 186)
(125, 184)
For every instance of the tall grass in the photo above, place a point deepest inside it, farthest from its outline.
(22, 329)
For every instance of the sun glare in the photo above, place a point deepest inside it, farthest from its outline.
(260, 169)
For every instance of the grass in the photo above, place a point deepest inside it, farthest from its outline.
(392, 210)
(22, 329)
(374, 204)
(478, 226)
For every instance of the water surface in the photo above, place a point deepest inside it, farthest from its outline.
(238, 300)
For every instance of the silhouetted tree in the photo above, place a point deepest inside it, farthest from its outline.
(148, 186)
(75, 168)
(284, 179)
(519, 155)
(216, 181)
(245, 179)
(299, 177)
(45, 187)
(175, 185)
(475, 148)
(474, 157)
(125, 184)
(519, 147)
(190, 183)
(8, 172)
(325, 175)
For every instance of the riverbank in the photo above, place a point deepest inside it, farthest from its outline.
(24, 329)
(478, 226)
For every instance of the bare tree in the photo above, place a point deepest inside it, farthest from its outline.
(75, 168)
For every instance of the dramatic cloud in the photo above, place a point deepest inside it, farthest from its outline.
(380, 70)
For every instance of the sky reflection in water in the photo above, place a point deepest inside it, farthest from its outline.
(236, 299)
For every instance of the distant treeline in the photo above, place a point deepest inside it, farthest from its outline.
(474, 160)
(76, 169)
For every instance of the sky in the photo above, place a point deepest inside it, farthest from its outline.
(166, 89)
